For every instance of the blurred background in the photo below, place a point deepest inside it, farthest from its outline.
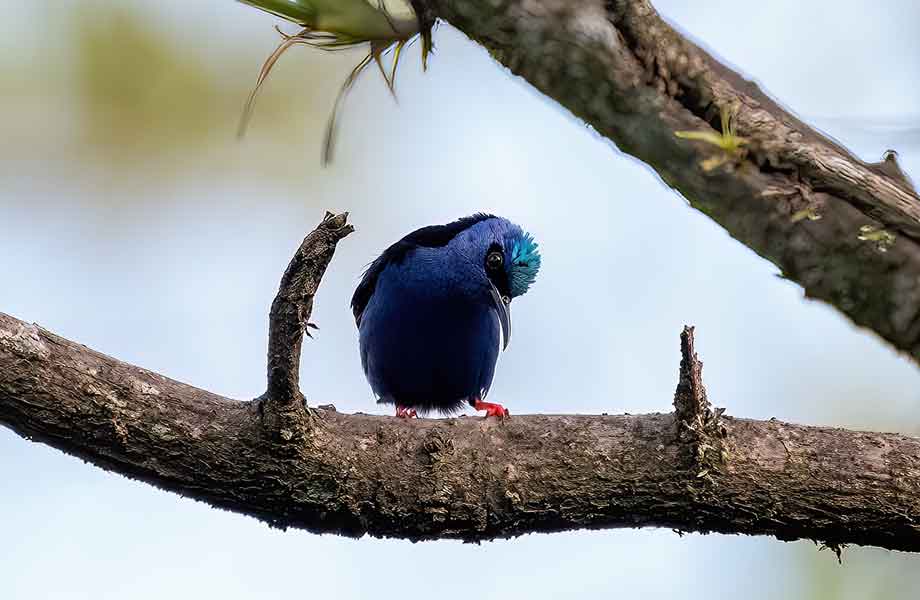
(133, 221)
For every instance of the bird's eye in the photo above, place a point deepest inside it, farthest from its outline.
(494, 261)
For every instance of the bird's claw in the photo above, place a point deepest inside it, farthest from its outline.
(404, 412)
(492, 409)
(307, 329)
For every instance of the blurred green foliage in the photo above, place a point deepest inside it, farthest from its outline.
(135, 85)
(110, 83)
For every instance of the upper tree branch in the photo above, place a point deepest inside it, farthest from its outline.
(847, 231)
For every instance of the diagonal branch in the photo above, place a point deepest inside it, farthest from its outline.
(468, 478)
(283, 406)
(847, 231)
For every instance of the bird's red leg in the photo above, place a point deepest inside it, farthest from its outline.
(492, 409)
(404, 412)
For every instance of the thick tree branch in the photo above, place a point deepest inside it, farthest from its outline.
(847, 231)
(283, 406)
(467, 478)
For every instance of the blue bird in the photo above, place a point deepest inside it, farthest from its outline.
(434, 310)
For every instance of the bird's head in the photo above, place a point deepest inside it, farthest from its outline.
(508, 258)
(501, 252)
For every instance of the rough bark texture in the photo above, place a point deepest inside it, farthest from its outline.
(845, 230)
(468, 478)
(283, 406)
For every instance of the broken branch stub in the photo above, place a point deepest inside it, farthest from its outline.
(283, 406)
(699, 426)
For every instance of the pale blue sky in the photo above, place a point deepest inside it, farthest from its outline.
(169, 259)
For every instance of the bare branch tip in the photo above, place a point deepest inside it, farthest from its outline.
(699, 427)
(686, 344)
(289, 322)
(337, 222)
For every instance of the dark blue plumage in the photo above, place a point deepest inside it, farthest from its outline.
(433, 309)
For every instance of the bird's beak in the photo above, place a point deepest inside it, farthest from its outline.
(503, 307)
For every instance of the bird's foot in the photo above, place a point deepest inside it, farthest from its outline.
(308, 327)
(492, 409)
(404, 412)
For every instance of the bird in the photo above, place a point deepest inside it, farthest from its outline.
(433, 311)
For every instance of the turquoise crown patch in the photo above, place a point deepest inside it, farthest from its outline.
(525, 263)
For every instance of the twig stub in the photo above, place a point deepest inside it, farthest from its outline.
(283, 406)
(698, 425)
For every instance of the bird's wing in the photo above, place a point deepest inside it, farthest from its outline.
(433, 236)
(366, 288)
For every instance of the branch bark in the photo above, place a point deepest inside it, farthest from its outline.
(847, 231)
(283, 406)
(468, 478)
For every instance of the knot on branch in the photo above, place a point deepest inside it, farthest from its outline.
(890, 168)
(437, 446)
(699, 427)
(283, 406)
